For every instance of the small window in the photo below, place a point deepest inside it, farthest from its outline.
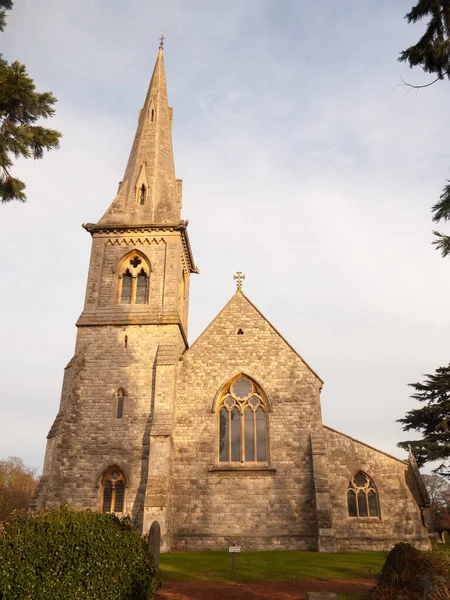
(120, 403)
(362, 497)
(113, 491)
(153, 114)
(142, 194)
(141, 288)
(127, 285)
(242, 423)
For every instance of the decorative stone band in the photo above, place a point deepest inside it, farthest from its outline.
(126, 229)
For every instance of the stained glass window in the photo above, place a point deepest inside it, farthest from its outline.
(242, 423)
(362, 497)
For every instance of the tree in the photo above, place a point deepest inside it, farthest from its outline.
(432, 420)
(17, 485)
(20, 108)
(439, 492)
(432, 54)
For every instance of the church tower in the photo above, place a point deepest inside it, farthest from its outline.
(110, 446)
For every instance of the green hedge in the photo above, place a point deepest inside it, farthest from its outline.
(74, 555)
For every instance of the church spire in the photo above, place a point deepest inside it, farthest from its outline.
(149, 192)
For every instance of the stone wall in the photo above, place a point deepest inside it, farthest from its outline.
(400, 518)
(213, 506)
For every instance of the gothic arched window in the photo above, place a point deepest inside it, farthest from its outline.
(113, 491)
(133, 280)
(362, 496)
(242, 422)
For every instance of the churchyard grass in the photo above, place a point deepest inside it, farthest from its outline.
(271, 566)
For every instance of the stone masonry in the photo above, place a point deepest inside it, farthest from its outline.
(165, 441)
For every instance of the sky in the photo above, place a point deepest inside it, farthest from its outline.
(305, 164)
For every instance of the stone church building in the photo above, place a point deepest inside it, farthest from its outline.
(222, 441)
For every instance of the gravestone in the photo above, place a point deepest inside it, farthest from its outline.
(446, 537)
(154, 541)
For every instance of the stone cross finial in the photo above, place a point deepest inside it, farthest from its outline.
(161, 39)
(239, 278)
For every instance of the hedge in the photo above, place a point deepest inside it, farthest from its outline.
(65, 554)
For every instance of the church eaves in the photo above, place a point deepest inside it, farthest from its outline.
(149, 192)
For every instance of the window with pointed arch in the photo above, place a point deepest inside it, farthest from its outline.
(113, 491)
(243, 434)
(362, 497)
(133, 280)
(119, 403)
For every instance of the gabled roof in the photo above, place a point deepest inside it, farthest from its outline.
(239, 294)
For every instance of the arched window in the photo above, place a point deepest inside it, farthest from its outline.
(362, 496)
(242, 422)
(113, 491)
(133, 280)
(119, 404)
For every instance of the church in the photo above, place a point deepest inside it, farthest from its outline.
(221, 442)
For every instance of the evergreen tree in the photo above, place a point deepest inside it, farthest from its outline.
(432, 54)
(20, 108)
(432, 420)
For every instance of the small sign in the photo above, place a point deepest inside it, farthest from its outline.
(234, 549)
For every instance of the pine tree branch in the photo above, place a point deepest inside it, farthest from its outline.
(416, 87)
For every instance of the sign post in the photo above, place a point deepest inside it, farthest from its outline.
(234, 550)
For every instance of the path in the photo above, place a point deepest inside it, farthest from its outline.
(269, 590)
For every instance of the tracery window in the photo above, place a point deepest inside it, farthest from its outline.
(133, 280)
(362, 496)
(113, 491)
(242, 422)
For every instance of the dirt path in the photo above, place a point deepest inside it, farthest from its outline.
(270, 590)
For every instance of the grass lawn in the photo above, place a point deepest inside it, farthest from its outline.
(271, 566)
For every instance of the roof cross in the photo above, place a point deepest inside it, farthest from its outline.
(161, 39)
(239, 277)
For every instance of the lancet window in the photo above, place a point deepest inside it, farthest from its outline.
(120, 403)
(362, 497)
(113, 491)
(142, 194)
(242, 423)
(133, 280)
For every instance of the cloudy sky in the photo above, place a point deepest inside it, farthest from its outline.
(305, 165)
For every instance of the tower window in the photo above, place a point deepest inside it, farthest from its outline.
(133, 280)
(141, 288)
(153, 114)
(242, 423)
(120, 402)
(127, 285)
(113, 491)
(362, 497)
(142, 194)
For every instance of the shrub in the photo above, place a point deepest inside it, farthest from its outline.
(409, 574)
(65, 554)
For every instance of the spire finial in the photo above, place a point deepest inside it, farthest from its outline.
(161, 39)
(239, 278)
